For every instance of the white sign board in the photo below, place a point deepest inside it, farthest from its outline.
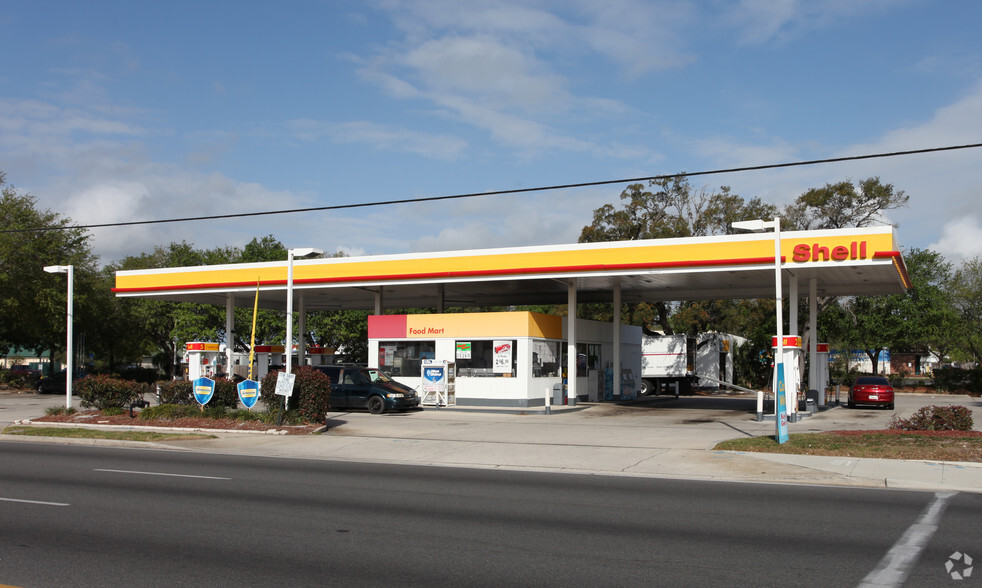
(502, 357)
(284, 383)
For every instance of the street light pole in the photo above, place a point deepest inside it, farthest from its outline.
(779, 303)
(69, 352)
(290, 254)
(759, 225)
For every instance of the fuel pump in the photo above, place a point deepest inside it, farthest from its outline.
(320, 355)
(792, 372)
(821, 368)
(204, 359)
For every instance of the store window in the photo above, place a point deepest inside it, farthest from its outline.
(546, 359)
(487, 359)
(403, 358)
(588, 357)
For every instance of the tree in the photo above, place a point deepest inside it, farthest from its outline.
(843, 204)
(344, 330)
(166, 325)
(672, 209)
(924, 318)
(931, 318)
(966, 289)
(267, 248)
(32, 302)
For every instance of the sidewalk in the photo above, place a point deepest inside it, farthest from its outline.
(662, 437)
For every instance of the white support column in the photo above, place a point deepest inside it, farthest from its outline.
(378, 301)
(301, 330)
(229, 332)
(617, 337)
(794, 384)
(571, 342)
(793, 307)
(813, 340)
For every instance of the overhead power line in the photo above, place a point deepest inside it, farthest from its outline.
(502, 192)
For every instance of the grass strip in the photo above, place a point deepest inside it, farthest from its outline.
(922, 445)
(81, 433)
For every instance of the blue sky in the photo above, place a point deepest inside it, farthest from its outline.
(119, 111)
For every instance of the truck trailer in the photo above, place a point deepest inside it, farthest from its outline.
(679, 363)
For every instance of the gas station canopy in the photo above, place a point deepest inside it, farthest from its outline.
(843, 262)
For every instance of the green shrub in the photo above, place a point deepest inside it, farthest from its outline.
(169, 412)
(311, 394)
(935, 418)
(975, 381)
(948, 379)
(139, 374)
(19, 381)
(246, 415)
(59, 410)
(182, 392)
(226, 394)
(176, 392)
(104, 392)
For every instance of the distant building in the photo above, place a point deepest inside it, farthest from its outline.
(29, 358)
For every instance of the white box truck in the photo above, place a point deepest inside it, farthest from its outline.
(678, 363)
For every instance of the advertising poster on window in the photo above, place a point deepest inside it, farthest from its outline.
(502, 357)
(387, 353)
(463, 349)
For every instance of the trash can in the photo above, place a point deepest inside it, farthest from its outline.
(811, 401)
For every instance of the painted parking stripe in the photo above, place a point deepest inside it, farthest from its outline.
(896, 564)
(162, 474)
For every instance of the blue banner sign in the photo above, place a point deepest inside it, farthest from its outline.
(204, 389)
(781, 435)
(248, 392)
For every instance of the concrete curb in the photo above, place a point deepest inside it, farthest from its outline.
(98, 427)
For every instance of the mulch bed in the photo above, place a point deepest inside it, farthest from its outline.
(95, 417)
(899, 433)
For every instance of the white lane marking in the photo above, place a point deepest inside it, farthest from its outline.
(896, 564)
(35, 502)
(161, 474)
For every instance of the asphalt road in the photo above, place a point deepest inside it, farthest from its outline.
(96, 516)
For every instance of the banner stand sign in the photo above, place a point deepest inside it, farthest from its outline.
(248, 392)
(434, 382)
(204, 390)
(781, 401)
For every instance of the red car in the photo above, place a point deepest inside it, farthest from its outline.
(872, 390)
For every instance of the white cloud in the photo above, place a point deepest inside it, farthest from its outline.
(436, 146)
(156, 192)
(961, 239)
(498, 65)
(486, 70)
(762, 21)
(505, 221)
(944, 187)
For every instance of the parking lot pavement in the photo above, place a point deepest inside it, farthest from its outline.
(16, 406)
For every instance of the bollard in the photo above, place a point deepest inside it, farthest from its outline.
(760, 406)
(548, 400)
(138, 404)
